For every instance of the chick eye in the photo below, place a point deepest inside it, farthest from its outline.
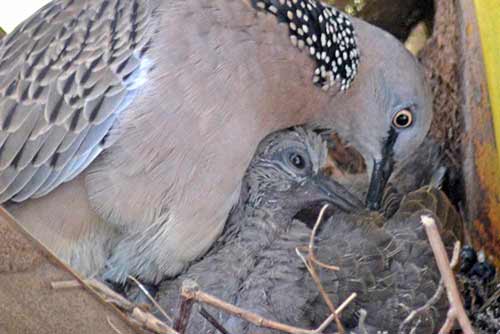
(297, 161)
(402, 119)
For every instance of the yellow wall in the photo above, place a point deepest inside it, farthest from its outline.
(488, 14)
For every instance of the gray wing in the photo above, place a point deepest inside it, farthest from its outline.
(66, 73)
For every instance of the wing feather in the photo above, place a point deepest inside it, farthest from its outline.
(15, 142)
(20, 181)
(66, 74)
(7, 177)
(30, 189)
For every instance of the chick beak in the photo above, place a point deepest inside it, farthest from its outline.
(382, 170)
(330, 191)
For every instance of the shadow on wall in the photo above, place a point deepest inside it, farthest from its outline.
(397, 17)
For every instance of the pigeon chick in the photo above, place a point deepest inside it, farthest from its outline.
(254, 264)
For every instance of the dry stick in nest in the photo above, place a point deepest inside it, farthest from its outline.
(150, 298)
(437, 295)
(310, 249)
(310, 262)
(113, 326)
(456, 310)
(135, 314)
(205, 314)
(182, 321)
(190, 293)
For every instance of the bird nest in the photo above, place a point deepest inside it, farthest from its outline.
(191, 294)
(440, 58)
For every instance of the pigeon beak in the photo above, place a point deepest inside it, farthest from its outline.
(382, 170)
(330, 191)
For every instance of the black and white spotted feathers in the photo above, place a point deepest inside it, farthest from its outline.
(325, 32)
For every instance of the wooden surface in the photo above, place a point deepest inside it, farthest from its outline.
(28, 303)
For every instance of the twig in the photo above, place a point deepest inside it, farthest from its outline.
(437, 295)
(319, 285)
(191, 291)
(457, 311)
(151, 299)
(312, 238)
(67, 284)
(413, 330)
(332, 316)
(185, 307)
(109, 295)
(205, 314)
(113, 326)
(489, 301)
(448, 323)
(149, 321)
(135, 314)
(346, 303)
(361, 322)
(309, 263)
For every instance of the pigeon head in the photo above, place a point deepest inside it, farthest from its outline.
(379, 101)
(286, 175)
(387, 109)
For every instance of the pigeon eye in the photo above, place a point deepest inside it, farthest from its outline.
(402, 119)
(297, 160)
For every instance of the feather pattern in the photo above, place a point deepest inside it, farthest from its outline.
(66, 73)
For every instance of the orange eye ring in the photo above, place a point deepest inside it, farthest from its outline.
(402, 119)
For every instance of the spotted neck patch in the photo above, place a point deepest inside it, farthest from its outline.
(325, 32)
